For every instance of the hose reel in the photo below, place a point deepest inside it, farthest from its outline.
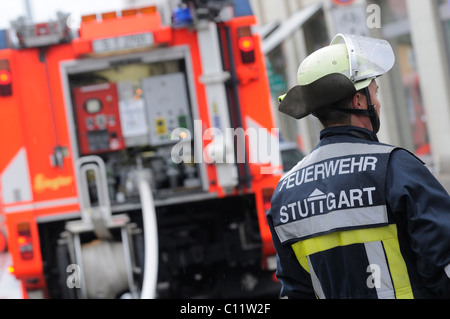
(107, 275)
(106, 264)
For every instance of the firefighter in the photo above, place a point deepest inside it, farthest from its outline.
(356, 218)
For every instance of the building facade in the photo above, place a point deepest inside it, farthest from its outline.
(415, 94)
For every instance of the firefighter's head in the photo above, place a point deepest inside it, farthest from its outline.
(339, 80)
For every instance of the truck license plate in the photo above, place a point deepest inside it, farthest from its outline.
(122, 43)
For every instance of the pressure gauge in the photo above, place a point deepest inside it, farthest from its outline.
(93, 106)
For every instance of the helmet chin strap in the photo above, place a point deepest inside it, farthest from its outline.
(371, 112)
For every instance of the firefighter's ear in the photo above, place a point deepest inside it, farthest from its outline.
(357, 101)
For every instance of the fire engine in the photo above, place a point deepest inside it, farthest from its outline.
(129, 166)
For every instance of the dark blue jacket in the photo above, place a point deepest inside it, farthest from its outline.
(360, 219)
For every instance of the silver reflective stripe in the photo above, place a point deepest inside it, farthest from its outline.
(340, 149)
(315, 281)
(41, 205)
(344, 218)
(447, 270)
(380, 271)
(15, 179)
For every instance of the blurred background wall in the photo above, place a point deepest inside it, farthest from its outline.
(414, 94)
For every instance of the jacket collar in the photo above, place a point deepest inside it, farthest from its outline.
(353, 131)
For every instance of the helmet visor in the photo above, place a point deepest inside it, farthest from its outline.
(369, 57)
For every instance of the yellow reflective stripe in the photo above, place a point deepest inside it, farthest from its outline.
(304, 263)
(387, 234)
(397, 266)
(358, 236)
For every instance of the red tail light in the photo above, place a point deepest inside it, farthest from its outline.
(24, 241)
(5, 79)
(246, 44)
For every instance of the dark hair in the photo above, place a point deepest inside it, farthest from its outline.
(331, 115)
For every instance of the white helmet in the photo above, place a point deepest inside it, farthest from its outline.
(336, 72)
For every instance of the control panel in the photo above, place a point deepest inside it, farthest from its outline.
(167, 105)
(97, 112)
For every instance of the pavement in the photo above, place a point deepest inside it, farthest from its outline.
(9, 285)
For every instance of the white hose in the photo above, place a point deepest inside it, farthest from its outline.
(150, 239)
